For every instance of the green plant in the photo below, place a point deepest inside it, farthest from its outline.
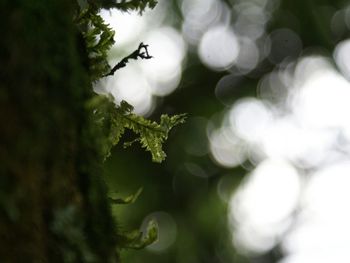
(112, 120)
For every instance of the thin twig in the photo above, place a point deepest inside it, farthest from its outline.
(141, 52)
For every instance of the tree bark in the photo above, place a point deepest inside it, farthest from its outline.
(53, 204)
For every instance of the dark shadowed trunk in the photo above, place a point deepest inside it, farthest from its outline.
(53, 205)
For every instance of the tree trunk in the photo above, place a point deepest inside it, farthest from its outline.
(53, 205)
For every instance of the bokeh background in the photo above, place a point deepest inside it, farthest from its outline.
(260, 172)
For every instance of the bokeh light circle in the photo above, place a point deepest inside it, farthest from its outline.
(342, 57)
(283, 43)
(219, 48)
(167, 230)
(164, 70)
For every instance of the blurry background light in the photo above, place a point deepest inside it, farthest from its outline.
(333, 206)
(338, 24)
(251, 19)
(158, 16)
(270, 193)
(320, 256)
(273, 89)
(263, 204)
(227, 88)
(132, 87)
(342, 57)
(248, 56)
(308, 65)
(284, 43)
(198, 16)
(196, 170)
(164, 70)
(225, 187)
(301, 131)
(227, 151)
(323, 100)
(219, 48)
(248, 241)
(167, 231)
(125, 35)
(202, 12)
(323, 226)
(347, 19)
(304, 148)
(249, 119)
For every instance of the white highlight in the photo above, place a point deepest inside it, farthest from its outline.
(342, 57)
(125, 35)
(309, 129)
(164, 70)
(323, 232)
(263, 204)
(249, 119)
(225, 149)
(219, 48)
(131, 86)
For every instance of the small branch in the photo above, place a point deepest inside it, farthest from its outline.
(141, 52)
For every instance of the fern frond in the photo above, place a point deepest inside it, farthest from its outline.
(99, 38)
(151, 134)
(115, 119)
(126, 200)
(137, 240)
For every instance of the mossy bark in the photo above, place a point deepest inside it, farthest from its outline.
(53, 205)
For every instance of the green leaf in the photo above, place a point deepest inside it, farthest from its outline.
(127, 200)
(113, 120)
(99, 38)
(137, 240)
(151, 134)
